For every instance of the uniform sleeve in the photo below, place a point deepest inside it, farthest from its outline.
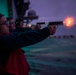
(23, 39)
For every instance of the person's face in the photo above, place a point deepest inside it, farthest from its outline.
(4, 25)
(21, 24)
(12, 24)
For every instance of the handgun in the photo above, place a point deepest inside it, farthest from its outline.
(41, 23)
(56, 23)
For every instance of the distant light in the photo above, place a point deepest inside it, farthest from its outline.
(30, 25)
(69, 22)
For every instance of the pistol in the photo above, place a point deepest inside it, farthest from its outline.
(40, 23)
(56, 23)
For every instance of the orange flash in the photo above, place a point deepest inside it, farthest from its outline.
(69, 22)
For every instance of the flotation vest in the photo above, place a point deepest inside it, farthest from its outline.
(16, 63)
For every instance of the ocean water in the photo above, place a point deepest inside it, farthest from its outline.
(52, 56)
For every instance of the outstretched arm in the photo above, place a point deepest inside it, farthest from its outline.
(19, 40)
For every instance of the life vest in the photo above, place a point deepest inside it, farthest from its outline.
(16, 63)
